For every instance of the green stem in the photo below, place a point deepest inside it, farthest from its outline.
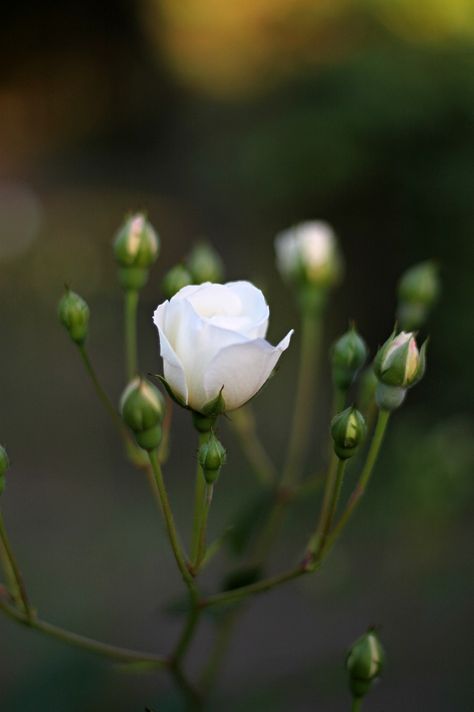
(308, 368)
(356, 704)
(259, 587)
(201, 552)
(339, 401)
(102, 395)
(218, 651)
(169, 521)
(244, 424)
(361, 486)
(188, 630)
(123, 655)
(341, 466)
(199, 503)
(16, 580)
(131, 305)
(316, 542)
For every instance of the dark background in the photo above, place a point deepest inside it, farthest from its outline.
(233, 121)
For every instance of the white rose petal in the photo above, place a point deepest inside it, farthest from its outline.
(212, 338)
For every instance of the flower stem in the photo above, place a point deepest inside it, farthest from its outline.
(243, 422)
(266, 584)
(356, 704)
(13, 573)
(188, 630)
(201, 552)
(335, 474)
(169, 521)
(102, 395)
(123, 655)
(199, 503)
(308, 368)
(361, 486)
(130, 314)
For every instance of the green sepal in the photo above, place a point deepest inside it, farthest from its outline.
(389, 397)
(216, 406)
(381, 352)
(394, 374)
(421, 363)
(149, 439)
(177, 399)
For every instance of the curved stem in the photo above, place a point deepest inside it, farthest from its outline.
(13, 571)
(102, 395)
(130, 314)
(308, 368)
(361, 486)
(243, 422)
(169, 521)
(123, 655)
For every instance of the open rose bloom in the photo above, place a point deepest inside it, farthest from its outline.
(212, 340)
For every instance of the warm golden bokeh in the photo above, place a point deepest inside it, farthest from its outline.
(233, 48)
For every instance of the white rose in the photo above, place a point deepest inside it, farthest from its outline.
(212, 337)
(310, 250)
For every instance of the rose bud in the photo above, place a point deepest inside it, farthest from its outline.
(4, 466)
(136, 247)
(212, 456)
(212, 340)
(142, 409)
(418, 289)
(348, 430)
(204, 264)
(174, 280)
(308, 254)
(398, 365)
(73, 314)
(364, 663)
(348, 355)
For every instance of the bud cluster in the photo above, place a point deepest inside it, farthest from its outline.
(142, 408)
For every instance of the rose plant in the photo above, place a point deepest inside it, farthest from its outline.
(215, 360)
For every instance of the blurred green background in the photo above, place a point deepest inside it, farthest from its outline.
(233, 120)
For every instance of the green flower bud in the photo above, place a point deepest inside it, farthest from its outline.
(398, 362)
(211, 457)
(136, 247)
(73, 314)
(174, 280)
(389, 397)
(142, 408)
(348, 430)
(348, 355)
(204, 264)
(418, 289)
(364, 663)
(4, 466)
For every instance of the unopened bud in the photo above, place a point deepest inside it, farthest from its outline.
(211, 456)
(364, 663)
(418, 289)
(348, 430)
(73, 314)
(142, 408)
(136, 247)
(204, 264)
(175, 279)
(4, 465)
(348, 355)
(399, 362)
